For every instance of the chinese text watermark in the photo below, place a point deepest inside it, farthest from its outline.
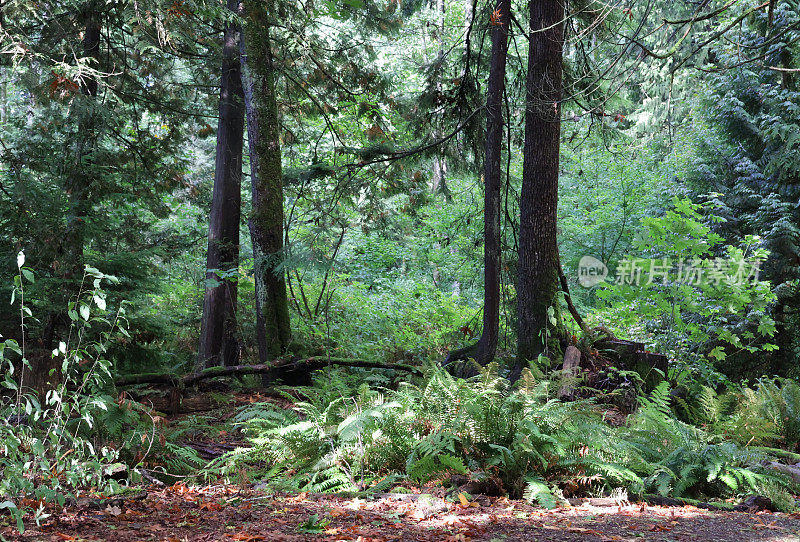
(693, 272)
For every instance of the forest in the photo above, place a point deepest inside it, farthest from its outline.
(399, 270)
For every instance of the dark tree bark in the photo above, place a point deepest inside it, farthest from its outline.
(483, 352)
(538, 271)
(439, 164)
(218, 333)
(78, 184)
(4, 71)
(79, 181)
(266, 221)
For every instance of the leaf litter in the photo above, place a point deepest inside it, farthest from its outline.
(229, 513)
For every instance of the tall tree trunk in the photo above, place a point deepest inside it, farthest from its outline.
(487, 345)
(439, 165)
(537, 280)
(3, 95)
(70, 252)
(4, 71)
(485, 349)
(218, 333)
(266, 221)
(79, 181)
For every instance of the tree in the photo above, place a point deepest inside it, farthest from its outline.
(266, 219)
(78, 186)
(218, 333)
(439, 163)
(538, 268)
(483, 352)
(746, 159)
(93, 150)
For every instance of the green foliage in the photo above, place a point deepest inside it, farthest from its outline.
(379, 266)
(744, 143)
(314, 525)
(537, 490)
(434, 465)
(767, 414)
(675, 458)
(539, 447)
(398, 319)
(605, 193)
(43, 452)
(707, 326)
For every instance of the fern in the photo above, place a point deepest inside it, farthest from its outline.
(532, 441)
(537, 490)
(385, 483)
(329, 480)
(430, 466)
(179, 460)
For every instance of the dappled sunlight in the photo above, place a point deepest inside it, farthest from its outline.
(182, 512)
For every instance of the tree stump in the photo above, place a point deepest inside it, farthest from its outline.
(633, 356)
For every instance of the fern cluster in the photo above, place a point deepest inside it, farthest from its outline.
(144, 440)
(679, 459)
(767, 414)
(539, 447)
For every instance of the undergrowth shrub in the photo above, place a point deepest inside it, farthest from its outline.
(766, 414)
(44, 455)
(539, 447)
(710, 327)
(398, 319)
(678, 459)
(145, 440)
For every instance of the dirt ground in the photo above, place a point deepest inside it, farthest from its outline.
(181, 513)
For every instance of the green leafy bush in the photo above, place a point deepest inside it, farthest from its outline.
(43, 453)
(707, 327)
(395, 319)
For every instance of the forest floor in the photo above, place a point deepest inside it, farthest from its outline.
(182, 512)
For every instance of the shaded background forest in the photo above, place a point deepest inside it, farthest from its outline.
(108, 160)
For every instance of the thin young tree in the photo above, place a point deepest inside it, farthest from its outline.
(538, 268)
(219, 342)
(483, 352)
(439, 162)
(266, 220)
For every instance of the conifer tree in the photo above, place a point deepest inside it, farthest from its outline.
(266, 219)
(538, 267)
(218, 333)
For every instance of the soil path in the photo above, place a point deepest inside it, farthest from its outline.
(180, 513)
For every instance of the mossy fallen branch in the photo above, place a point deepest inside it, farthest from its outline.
(308, 364)
(777, 452)
(753, 503)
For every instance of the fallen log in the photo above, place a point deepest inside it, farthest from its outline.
(178, 404)
(660, 500)
(308, 364)
(793, 471)
(753, 503)
(779, 453)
